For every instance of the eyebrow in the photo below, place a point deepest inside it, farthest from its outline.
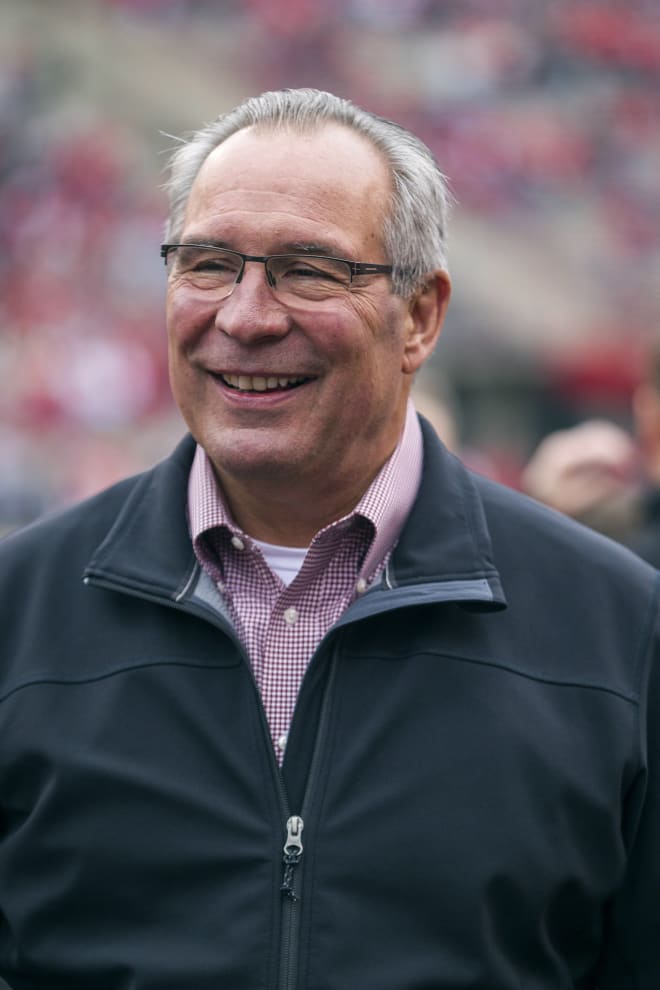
(312, 247)
(291, 247)
(206, 242)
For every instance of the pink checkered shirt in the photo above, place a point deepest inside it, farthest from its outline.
(279, 626)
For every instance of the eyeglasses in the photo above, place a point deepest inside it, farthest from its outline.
(302, 277)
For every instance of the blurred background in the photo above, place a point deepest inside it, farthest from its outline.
(545, 116)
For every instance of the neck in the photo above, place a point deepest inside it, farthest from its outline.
(282, 515)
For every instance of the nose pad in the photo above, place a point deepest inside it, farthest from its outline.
(228, 291)
(270, 279)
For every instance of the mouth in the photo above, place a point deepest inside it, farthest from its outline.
(263, 383)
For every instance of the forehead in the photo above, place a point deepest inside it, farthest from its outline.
(327, 186)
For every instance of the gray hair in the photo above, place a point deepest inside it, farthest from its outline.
(414, 227)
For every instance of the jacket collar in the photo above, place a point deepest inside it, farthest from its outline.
(444, 551)
(445, 539)
(148, 548)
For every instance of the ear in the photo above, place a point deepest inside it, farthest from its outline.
(426, 313)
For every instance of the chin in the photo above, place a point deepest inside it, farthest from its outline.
(242, 466)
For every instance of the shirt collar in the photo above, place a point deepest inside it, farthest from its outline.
(390, 496)
(385, 504)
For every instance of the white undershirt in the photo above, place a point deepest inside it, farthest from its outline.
(284, 561)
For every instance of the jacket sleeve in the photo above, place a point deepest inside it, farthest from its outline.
(631, 950)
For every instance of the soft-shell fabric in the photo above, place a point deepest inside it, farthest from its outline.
(472, 768)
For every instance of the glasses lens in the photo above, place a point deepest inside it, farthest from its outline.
(207, 269)
(308, 277)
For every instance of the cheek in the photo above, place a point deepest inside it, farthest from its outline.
(179, 373)
(185, 318)
(176, 358)
(182, 323)
(366, 334)
(175, 320)
(366, 360)
(379, 310)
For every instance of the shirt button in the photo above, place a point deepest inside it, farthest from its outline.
(237, 543)
(361, 586)
(291, 616)
(281, 742)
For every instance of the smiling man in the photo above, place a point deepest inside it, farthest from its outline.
(309, 705)
(295, 384)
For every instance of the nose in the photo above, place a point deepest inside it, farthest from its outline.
(251, 311)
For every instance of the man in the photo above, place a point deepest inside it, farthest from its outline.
(309, 705)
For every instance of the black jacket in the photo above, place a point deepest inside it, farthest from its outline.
(473, 764)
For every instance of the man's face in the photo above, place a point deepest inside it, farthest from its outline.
(341, 368)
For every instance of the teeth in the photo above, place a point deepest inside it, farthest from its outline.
(261, 383)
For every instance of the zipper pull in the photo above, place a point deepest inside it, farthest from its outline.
(293, 849)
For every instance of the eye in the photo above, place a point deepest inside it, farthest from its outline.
(204, 267)
(213, 262)
(314, 269)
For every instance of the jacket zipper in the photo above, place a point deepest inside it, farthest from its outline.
(290, 918)
(292, 852)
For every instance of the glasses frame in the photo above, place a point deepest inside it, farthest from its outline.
(354, 267)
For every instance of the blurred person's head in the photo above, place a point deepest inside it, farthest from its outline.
(589, 472)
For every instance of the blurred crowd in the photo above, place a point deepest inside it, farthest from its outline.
(540, 114)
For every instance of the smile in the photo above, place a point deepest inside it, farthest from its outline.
(262, 383)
